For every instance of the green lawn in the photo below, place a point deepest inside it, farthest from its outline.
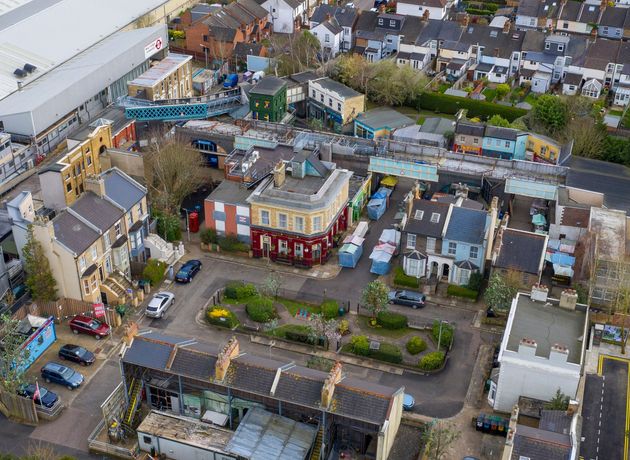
(366, 328)
(421, 120)
(490, 94)
(228, 301)
(294, 306)
(531, 98)
(615, 112)
(443, 87)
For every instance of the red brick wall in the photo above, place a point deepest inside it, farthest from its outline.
(208, 209)
(127, 134)
(230, 219)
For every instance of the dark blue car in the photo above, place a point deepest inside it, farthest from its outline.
(58, 373)
(188, 271)
(46, 397)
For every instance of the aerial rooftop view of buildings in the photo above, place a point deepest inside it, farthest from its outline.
(289, 229)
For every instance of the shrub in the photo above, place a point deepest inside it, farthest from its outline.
(221, 316)
(447, 334)
(260, 309)
(401, 279)
(154, 271)
(237, 290)
(431, 361)
(416, 345)
(209, 236)
(344, 327)
(391, 320)
(298, 333)
(387, 352)
(319, 363)
(232, 244)
(330, 309)
(360, 345)
(474, 283)
(461, 291)
(445, 103)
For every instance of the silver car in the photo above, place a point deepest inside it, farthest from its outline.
(159, 304)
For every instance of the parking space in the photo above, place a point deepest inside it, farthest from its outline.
(605, 411)
(100, 348)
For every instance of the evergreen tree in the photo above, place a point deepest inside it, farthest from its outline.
(39, 279)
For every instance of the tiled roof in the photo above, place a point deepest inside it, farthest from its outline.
(466, 226)
(252, 373)
(521, 251)
(540, 445)
(194, 364)
(301, 385)
(469, 128)
(360, 399)
(98, 211)
(420, 221)
(122, 189)
(73, 233)
(498, 132)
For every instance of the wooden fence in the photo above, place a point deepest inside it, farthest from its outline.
(18, 408)
(64, 309)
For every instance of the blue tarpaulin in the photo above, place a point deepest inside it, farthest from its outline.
(349, 255)
(381, 257)
(376, 207)
(560, 258)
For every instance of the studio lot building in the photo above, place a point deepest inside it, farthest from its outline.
(46, 110)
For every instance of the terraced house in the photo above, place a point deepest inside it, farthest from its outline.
(295, 216)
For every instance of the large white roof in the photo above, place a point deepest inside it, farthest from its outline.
(46, 33)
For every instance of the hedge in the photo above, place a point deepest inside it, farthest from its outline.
(445, 103)
(401, 279)
(298, 333)
(209, 236)
(416, 345)
(232, 244)
(431, 361)
(260, 309)
(360, 345)
(447, 334)
(390, 320)
(478, 12)
(237, 290)
(461, 291)
(221, 316)
(330, 309)
(154, 271)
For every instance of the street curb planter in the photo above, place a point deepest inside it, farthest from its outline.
(407, 367)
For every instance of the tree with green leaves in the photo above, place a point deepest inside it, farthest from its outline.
(551, 112)
(375, 297)
(502, 90)
(12, 356)
(438, 437)
(559, 402)
(498, 120)
(39, 278)
(500, 292)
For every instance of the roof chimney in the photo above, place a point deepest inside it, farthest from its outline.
(229, 352)
(527, 347)
(328, 389)
(466, 20)
(539, 293)
(426, 14)
(20, 85)
(568, 299)
(558, 353)
(507, 26)
(95, 184)
(279, 174)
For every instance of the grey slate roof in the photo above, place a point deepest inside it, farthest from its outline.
(269, 85)
(194, 364)
(122, 189)
(333, 26)
(466, 226)
(469, 128)
(345, 17)
(73, 233)
(495, 41)
(252, 373)
(244, 49)
(361, 399)
(498, 132)
(424, 226)
(540, 445)
(339, 88)
(555, 420)
(573, 79)
(301, 385)
(98, 211)
(521, 251)
(466, 265)
(613, 17)
(148, 353)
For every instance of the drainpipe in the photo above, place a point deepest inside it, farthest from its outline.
(322, 450)
(181, 395)
(230, 408)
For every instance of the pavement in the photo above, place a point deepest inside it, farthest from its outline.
(605, 414)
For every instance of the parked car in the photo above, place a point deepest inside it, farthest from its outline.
(63, 375)
(159, 304)
(76, 354)
(407, 298)
(188, 271)
(408, 402)
(46, 397)
(87, 325)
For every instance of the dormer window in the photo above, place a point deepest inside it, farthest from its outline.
(418, 214)
(435, 217)
(547, 45)
(560, 47)
(380, 21)
(392, 23)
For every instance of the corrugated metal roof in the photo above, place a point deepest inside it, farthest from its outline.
(161, 70)
(266, 436)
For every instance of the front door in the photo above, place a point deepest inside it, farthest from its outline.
(100, 273)
(108, 265)
(266, 246)
(299, 250)
(317, 253)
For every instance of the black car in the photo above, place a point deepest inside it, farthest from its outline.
(409, 298)
(76, 354)
(46, 397)
(188, 271)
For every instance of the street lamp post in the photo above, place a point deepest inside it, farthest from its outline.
(187, 224)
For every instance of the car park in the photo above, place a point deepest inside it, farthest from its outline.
(81, 324)
(408, 298)
(58, 373)
(159, 304)
(46, 397)
(76, 354)
(188, 271)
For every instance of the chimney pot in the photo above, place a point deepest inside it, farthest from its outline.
(328, 389)
(279, 174)
(568, 299)
(539, 293)
(229, 352)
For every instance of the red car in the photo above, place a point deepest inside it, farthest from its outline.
(91, 326)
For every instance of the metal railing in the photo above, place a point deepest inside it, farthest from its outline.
(110, 449)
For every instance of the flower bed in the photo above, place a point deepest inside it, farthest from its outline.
(221, 316)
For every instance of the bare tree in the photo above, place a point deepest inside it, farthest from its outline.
(176, 170)
(272, 284)
(438, 437)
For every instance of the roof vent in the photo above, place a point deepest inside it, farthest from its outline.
(19, 73)
(30, 68)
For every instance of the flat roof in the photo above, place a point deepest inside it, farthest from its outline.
(60, 91)
(185, 430)
(611, 179)
(161, 70)
(547, 324)
(269, 86)
(610, 226)
(230, 192)
(384, 117)
(30, 32)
